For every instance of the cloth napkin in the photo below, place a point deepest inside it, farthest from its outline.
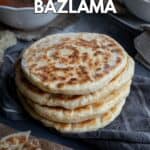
(142, 45)
(130, 131)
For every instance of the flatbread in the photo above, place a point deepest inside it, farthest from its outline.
(86, 126)
(59, 114)
(19, 141)
(73, 63)
(71, 102)
(15, 141)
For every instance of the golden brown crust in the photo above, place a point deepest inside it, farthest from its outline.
(21, 141)
(71, 101)
(73, 61)
(84, 126)
(63, 115)
(50, 72)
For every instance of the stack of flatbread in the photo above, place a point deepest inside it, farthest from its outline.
(74, 82)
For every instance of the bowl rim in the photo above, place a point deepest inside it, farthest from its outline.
(144, 1)
(15, 8)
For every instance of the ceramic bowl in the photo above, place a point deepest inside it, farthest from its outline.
(140, 8)
(24, 18)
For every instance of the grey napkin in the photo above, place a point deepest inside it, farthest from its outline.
(141, 60)
(131, 130)
(142, 45)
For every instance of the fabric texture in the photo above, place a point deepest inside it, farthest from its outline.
(130, 131)
(142, 45)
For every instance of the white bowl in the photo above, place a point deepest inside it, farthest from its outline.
(140, 8)
(24, 18)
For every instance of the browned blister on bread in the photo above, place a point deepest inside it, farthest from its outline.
(72, 101)
(74, 64)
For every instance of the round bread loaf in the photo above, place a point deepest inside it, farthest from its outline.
(73, 63)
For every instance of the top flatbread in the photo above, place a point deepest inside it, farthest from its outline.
(74, 63)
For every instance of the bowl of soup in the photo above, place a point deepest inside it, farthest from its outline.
(20, 14)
